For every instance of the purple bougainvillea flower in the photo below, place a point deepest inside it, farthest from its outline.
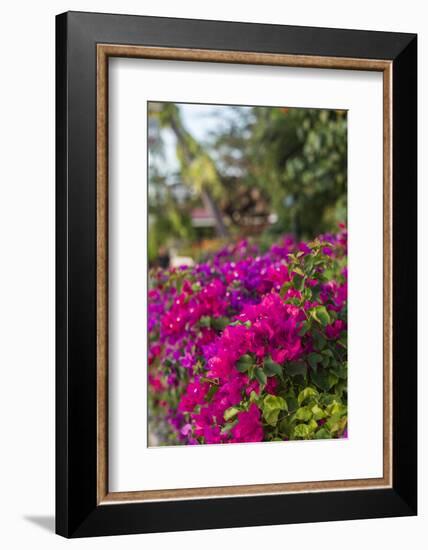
(212, 435)
(186, 429)
(253, 385)
(303, 247)
(195, 395)
(249, 427)
(271, 386)
(335, 330)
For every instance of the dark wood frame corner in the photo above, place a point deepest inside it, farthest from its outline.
(84, 505)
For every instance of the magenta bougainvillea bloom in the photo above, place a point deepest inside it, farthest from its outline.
(195, 394)
(249, 427)
(335, 329)
(248, 347)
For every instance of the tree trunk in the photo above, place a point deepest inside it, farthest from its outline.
(212, 207)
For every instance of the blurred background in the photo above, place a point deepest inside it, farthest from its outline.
(218, 173)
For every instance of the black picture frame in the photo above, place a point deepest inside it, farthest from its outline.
(77, 512)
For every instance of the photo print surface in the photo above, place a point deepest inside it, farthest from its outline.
(247, 274)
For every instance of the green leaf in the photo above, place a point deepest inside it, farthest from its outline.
(244, 363)
(340, 370)
(325, 380)
(336, 423)
(298, 282)
(305, 327)
(261, 376)
(297, 270)
(319, 341)
(230, 413)
(302, 430)
(321, 315)
(275, 402)
(306, 394)
(240, 323)
(292, 403)
(272, 406)
(284, 289)
(285, 427)
(304, 413)
(325, 361)
(313, 359)
(271, 368)
(336, 408)
(322, 433)
(228, 426)
(254, 397)
(313, 425)
(219, 323)
(341, 388)
(306, 293)
(212, 391)
(309, 262)
(205, 321)
(317, 412)
(343, 341)
(326, 399)
(271, 416)
(296, 368)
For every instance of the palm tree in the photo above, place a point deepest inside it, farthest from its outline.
(197, 167)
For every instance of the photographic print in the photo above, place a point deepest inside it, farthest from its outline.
(247, 255)
(203, 298)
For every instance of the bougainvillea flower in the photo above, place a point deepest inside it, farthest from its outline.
(248, 428)
(335, 329)
(234, 340)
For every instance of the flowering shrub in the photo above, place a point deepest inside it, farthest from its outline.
(251, 347)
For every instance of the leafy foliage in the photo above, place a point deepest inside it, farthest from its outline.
(260, 164)
(297, 156)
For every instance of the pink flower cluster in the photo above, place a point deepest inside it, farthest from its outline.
(222, 335)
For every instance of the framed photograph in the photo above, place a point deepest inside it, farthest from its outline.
(236, 274)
